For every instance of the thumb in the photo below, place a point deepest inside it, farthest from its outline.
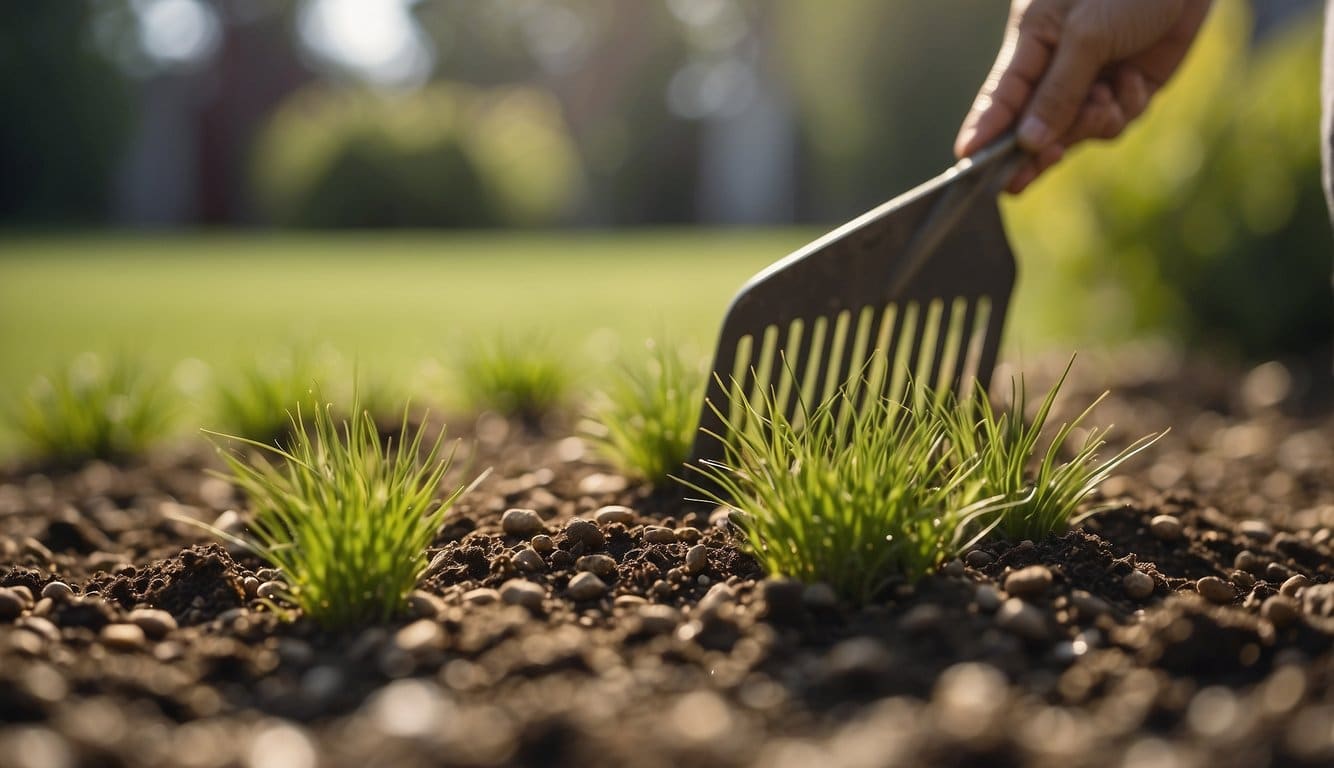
(1062, 91)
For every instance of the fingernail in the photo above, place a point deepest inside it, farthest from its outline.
(965, 140)
(1033, 132)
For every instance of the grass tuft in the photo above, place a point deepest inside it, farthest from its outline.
(346, 518)
(645, 421)
(515, 377)
(94, 408)
(253, 401)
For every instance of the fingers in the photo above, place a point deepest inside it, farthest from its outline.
(1064, 88)
(1022, 59)
(1031, 170)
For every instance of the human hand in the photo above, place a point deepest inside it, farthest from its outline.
(1070, 70)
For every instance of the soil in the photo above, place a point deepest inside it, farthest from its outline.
(1046, 653)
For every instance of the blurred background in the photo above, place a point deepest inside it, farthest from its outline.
(192, 179)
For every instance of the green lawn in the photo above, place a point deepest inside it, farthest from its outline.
(390, 301)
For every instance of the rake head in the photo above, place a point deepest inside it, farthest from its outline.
(914, 291)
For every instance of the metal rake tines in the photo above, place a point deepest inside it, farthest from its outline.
(898, 351)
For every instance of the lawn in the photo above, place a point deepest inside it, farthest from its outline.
(389, 301)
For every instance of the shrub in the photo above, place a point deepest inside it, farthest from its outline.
(517, 377)
(94, 408)
(346, 518)
(645, 421)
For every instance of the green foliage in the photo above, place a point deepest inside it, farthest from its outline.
(254, 400)
(446, 155)
(517, 377)
(1046, 491)
(645, 421)
(346, 519)
(94, 408)
(1207, 217)
(856, 502)
(860, 498)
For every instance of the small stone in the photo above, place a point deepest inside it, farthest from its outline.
(1248, 561)
(1089, 605)
(155, 623)
(1138, 584)
(1294, 585)
(599, 484)
(586, 586)
(601, 565)
(1022, 619)
(542, 544)
(1281, 610)
(657, 534)
(688, 535)
(614, 513)
(481, 596)
(1165, 527)
(37, 549)
(1318, 600)
(954, 568)
(820, 596)
(528, 560)
(697, 559)
(657, 619)
(717, 596)
(1255, 529)
(978, 559)
(1243, 580)
(424, 605)
(524, 593)
(122, 637)
(585, 532)
(421, 636)
(921, 618)
(782, 599)
(271, 590)
(250, 585)
(988, 598)
(1215, 590)
(1277, 573)
(58, 591)
(24, 594)
(523, 523)
(1028, 582)
(11, 605)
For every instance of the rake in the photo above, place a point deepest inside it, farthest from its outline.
(913, 293)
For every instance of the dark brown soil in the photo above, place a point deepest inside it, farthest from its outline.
(700, 661)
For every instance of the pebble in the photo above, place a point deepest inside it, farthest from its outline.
(1089, 605)
(602, 565)
(1277, 573)
(524, 523)
(1282, 610)
(717, 596)
(523, 592)
(421, 636)
(657, 534)
(988, 598)
(921, 618)
(1255, 529)
(954, 568)
(1294, 585)
(1165, 527)
(11, 605)
(688, 534)
(978, 559)
(271, 590)
(155, 623)
(820, 596)
(38, 549)
(424, 605)
(598, 484)
(697, 559)
(614, 513)
(481, 596)
(1215, 590)
(1318, 600)
(24, 594)
(586, 586)
(1028, 582)
(542, 544)
(250, 585)
(1138, 584)
(57, 591)
(585, 532)
(528, 560)
(1248, 561)
(123, 637)
(1022, 619)
(1243, 580)
(657, 619)
(782, 598)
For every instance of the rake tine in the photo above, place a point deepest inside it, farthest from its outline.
(851, 371)
(990, 345)
(877, 369)
(896, 373)
(935, 376)
(813, 347)
(961, 352)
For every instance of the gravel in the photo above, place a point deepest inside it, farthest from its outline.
(523, 523)
(58, 591)
(1138, 584)
(697, 559)
(657, 534)
(614, 513)
(523, 592)
(1165, 527)
(1029, 582)
(586, 586)
(1022, 619)
(155, 623)
(1215, 590)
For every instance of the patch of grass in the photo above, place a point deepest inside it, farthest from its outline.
(1047, 491)
(95, 407)
(254, 400)
(346, 518)
(856, 503)
(645, 421)
(516, 376)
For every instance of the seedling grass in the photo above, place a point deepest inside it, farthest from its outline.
(519, 377)
(346, 518)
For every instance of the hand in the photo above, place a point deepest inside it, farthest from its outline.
(1071, 70)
